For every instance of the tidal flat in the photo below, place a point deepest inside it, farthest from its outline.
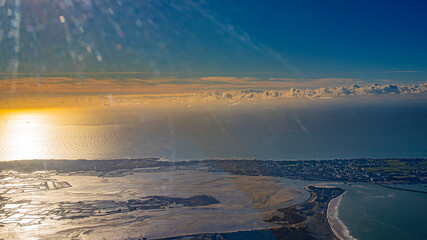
(151, 205)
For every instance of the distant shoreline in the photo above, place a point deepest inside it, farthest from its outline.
(342, 170)
(402, 189)
(214, 159)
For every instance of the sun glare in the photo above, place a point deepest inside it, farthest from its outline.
(24, 135)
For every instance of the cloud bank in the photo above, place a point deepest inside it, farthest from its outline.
(228, 97)
(323, 92)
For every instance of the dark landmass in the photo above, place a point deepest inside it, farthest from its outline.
(306, 220)
(399, 188)
(352, 170)
(80, 165)
(72, 210)
(408, 171)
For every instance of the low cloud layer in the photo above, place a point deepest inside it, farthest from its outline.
(323, 92)
(215, 96)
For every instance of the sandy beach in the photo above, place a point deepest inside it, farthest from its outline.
(337, 226)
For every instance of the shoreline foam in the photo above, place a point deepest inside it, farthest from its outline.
(337, 226)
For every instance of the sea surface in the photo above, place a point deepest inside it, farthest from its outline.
(371, 129)
(372, 212)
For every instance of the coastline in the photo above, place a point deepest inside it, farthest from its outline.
(335, 223)
(331, 209)
(300, 221)
(401, 189)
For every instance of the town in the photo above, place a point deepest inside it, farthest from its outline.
(381, 171)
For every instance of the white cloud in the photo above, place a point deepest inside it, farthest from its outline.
(323, 92)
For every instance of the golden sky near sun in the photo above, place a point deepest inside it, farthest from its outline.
(69, 85)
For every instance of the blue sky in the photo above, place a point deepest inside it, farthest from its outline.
(372, 41)
(357, 38)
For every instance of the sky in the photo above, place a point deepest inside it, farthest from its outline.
(166, 46)
(179, 55)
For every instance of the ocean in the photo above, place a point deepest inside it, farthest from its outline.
(308, 130)
(374, 212)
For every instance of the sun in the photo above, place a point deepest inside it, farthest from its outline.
(24, 135)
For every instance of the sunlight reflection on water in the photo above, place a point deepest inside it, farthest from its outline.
(24, 136)
(52, 134)
(336, 131)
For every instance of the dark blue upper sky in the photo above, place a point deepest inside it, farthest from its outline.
(336, 37)
(368, 40)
